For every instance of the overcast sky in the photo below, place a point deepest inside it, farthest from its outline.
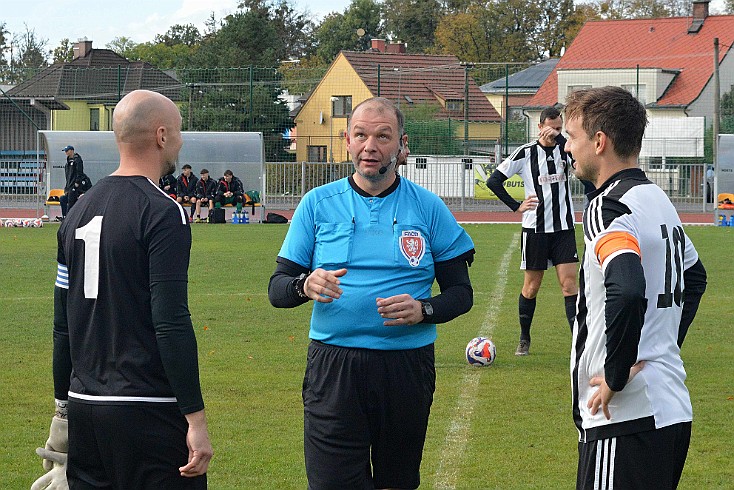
(140, 20)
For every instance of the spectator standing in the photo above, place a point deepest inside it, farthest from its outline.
(366, 249)
(74, 168)
(129, 407)
(548, 237)
(642, 283)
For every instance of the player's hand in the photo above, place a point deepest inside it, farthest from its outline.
(58, 440)
(200, 447)
(323, 286)
(401, 309)
(547, 136)
(530, 203)
(55, 478)
(604, 394)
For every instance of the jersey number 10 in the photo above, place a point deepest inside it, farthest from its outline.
(673, 258)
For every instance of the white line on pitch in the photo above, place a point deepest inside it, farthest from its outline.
(458, 432)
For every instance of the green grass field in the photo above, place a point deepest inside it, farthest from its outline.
(506, 426)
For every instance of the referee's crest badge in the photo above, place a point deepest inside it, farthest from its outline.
(413, 246)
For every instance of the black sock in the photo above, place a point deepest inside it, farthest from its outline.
(526, 308)
(570, 309)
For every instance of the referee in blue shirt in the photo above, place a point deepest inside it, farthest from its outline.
(366, 249)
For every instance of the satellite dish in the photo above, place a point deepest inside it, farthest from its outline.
(361, 32)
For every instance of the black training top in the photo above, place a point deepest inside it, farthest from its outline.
(125, 309)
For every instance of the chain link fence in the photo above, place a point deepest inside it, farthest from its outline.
(305, 141)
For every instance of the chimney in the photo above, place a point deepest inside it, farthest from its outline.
(700, 12)
(378, 45)
(82, 48)
(396, 48)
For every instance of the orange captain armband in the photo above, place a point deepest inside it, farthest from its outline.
(612, 243)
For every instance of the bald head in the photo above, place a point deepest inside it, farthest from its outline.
(147, 128)
(140, 113)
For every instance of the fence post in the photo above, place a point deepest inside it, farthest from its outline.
(303, 179)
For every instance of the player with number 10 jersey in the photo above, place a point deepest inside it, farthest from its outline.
(630, 214)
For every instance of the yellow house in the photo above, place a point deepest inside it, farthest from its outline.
(406, 79)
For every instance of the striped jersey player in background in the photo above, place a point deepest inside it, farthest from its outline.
(548, 237)
(129, 409)
(641, 282)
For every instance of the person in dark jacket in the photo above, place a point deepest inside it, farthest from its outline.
(206, 189)
(186, 188)
(229, 191)
(168, 184)
(73, 168)
(81, 185)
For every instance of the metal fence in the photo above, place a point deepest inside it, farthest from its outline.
(675, 155)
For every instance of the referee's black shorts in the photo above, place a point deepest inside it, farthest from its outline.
(365, 416)
(139, 446)
(651, 459)
(540, 251)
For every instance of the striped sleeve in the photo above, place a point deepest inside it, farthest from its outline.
(62, 276)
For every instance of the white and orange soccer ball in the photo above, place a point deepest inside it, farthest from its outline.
(481, 352)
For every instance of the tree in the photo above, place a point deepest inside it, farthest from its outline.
(339, 32)
(510, 31)
(428, 135)
(414, 21)
(638, 9)
(294, 27)
(729, 5)
(30, 55)
(63, 53)
(124, 46)
(187, 34)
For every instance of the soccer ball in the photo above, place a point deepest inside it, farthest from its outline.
(481, 352)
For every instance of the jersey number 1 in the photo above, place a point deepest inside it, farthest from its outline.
(673, 258)
(91, 233)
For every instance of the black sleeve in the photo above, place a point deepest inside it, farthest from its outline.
(457, 295)
(180, 187)
(494, 182)
(694, 280)
(62, 351)
(624, 311)
(284, 284)
(79, 164)
(177, 342)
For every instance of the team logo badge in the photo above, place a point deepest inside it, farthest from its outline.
(413, 246)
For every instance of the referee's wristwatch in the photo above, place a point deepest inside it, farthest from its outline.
(426, 309)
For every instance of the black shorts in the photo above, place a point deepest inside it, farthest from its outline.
(140, 445)
(365, 416)
(540, 251)
(652, 459)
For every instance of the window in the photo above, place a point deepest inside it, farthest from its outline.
(637, 90)
(421, 163)
(94, 119)
(316, 153)
(468, 163)
(341, 105)
(573, 88)
(454, 105)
